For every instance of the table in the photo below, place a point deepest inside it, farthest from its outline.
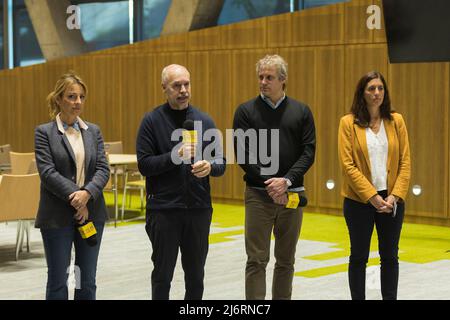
(119, 161)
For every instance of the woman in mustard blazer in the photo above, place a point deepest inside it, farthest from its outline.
(374, 157)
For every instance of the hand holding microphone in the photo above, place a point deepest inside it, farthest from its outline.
(189, 147)
(86, 227)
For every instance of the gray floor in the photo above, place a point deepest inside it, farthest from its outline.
(125, 266)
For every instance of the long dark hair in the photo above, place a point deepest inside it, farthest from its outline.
(359, 105)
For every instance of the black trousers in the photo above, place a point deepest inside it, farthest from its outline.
(360, 219)
(178, 229)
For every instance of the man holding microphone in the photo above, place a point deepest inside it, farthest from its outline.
(178, 191)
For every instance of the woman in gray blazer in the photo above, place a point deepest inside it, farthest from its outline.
(73, 169)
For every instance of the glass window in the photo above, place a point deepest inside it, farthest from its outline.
(154, 14)
(318, 3)
(105, 25)
(239, 10)
(26, 47)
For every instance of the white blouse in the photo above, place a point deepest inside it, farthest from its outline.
(377, 145)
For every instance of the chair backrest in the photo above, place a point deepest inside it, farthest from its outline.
(114, 147)
(4, 155)
(33, 167)
(19, 196)
(20, 162)
(109, 185)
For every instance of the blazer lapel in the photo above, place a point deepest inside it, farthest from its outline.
(361, 136)
(89, 143)
(69, 148)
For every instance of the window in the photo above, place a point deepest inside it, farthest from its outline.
(317, 3)
(239, 10)
(26, 47)
(154, 14)
(106, 24)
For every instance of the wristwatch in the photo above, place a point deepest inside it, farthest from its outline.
(288, 182)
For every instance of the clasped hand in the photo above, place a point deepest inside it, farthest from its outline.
(383, 205)
(79, 200)
(277, 190)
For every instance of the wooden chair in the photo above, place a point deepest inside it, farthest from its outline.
(5, 162)
(19, 201)
(21, 162)
(133, 185)
(114, 147)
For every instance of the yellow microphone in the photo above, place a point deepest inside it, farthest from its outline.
(189, 134)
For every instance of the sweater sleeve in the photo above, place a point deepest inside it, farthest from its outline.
(306, 159)
(245, 158)
(149, 162)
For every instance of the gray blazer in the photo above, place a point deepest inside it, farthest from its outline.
(55, 161)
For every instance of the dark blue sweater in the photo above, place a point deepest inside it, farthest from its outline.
(171, 185)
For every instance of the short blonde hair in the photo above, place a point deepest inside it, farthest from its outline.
(65, 81)
(273, 61)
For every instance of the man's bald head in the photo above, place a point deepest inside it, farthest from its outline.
(175, 81)
(171, 70)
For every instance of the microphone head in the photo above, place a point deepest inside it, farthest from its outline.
(303, 201)
(92, 240)
(188, 124)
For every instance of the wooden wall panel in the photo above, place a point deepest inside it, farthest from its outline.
(204, 39)
(279, 30)
(417, 92)
(103, 104)
(170, 43)
(31, 106)
(138, 95)
(245, 35)
(221, 108)
(356, 30)
(379, 35)
(319, 26)
(330, 80)
(9, 121)
(360, 59)
(198, 63)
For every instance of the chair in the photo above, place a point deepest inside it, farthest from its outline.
(20, 162)
(114, 147)
(14, 206)
(5, 162)
(133, 185)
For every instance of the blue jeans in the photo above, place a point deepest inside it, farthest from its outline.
(58, 248)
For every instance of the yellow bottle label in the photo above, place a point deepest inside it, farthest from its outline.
(293, 200)
(87, 230)
(189, 136)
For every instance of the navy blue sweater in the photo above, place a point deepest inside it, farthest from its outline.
(171, 185)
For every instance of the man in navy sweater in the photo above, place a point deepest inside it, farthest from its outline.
(178, 207)
(267, 189)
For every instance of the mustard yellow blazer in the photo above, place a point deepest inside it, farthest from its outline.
(355, 162)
